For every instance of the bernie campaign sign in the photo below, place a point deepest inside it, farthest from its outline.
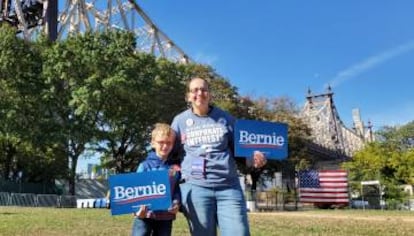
(130, 191)
(268, 137)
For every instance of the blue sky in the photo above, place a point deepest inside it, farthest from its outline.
(270, 48)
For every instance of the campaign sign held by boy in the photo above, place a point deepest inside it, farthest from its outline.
(130, 191)
(270, 138)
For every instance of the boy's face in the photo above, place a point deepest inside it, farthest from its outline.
(163, 145)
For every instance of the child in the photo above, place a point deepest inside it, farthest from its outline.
(149, 222)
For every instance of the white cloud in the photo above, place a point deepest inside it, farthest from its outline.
(369, 63)
(393, 116)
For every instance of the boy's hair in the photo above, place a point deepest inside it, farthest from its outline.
(162, 129)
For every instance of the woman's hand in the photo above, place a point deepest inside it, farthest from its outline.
(259, 159)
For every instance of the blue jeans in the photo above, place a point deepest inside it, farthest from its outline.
(151, 227)
(206, 208)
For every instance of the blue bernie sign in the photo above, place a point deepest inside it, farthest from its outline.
(130, 191)
(268, 137)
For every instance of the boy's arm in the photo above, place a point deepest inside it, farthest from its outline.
(176, 201)
(176, 196)
(140, 168)
(176, 188)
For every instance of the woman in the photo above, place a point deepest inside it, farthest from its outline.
(211, 192)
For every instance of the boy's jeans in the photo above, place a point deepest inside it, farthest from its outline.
(144, 227)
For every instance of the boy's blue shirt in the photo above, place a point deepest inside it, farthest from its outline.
(153, 162)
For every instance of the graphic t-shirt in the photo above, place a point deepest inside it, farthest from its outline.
(207, 144)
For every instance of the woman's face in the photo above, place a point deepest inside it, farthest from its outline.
(198, 93)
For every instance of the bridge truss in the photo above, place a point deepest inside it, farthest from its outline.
(329, 134)
(60, 18)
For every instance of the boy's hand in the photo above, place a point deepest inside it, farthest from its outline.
(142, 212)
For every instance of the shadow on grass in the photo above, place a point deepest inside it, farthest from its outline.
(8, 213)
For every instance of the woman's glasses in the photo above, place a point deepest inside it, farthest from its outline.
(196, 90)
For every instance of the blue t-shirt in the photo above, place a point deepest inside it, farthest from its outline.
(205, 143)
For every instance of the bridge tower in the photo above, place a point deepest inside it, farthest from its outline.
(60, 18)
(331, 138)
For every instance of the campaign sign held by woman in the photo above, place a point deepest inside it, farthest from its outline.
(268, 137)
(129, 191)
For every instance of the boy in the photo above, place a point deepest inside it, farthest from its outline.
(149, 222)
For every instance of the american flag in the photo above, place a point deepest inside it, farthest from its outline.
(323, 187)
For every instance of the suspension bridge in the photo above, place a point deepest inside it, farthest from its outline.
(332, 140)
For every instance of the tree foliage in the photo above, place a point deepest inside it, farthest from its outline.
(389, 160)
(20, 86)
(284, 110)
(95, 93)
(91, 92)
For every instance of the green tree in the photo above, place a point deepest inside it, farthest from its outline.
(144, 91)
(80, 74)
(283, 109)
(389, 160)
(368, 163)
(20, 86)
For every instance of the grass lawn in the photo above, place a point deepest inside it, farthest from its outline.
(61, 221)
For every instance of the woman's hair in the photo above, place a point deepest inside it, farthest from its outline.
(193, 78)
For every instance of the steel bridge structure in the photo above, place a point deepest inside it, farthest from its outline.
(60, 18)
(331, 138)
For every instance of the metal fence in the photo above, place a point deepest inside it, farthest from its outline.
(37, 200)
(272, 201)
(26, 187)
